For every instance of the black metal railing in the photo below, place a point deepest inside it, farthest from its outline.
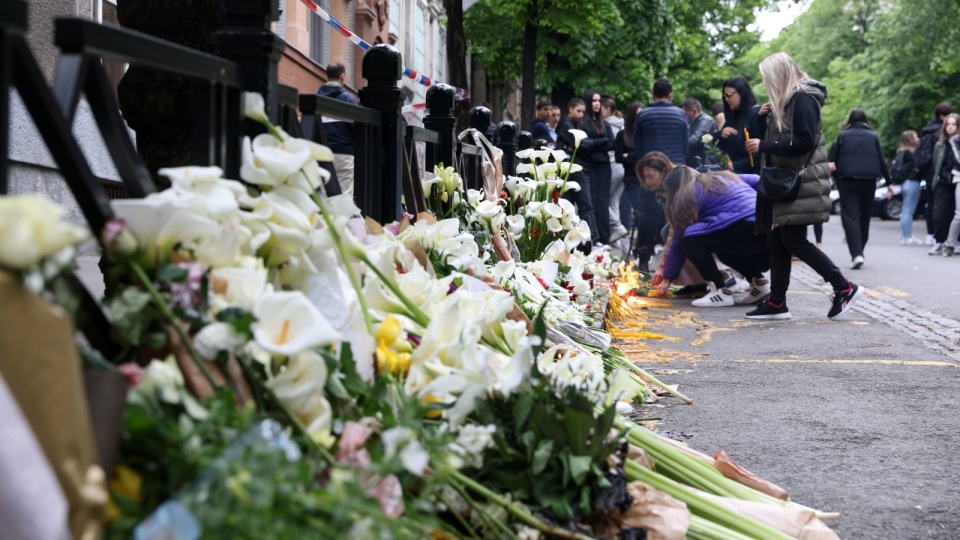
(387, 169)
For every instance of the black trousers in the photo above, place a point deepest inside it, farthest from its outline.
(944, 204)
(600, 178)
(928, 213)
(856, 206)
(582, 200)
(789, 240)
(736, 246)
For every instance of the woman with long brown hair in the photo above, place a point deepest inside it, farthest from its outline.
(712, 213)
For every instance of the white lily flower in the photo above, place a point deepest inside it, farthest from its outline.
(504, 270)
(31, 230)
(571, 167)
(299, 385)
(525, 153)
(541, 155)
(516, 223)
(488, 209)
(526, 168)
(237, 287)
(216, 337)
(552, 210)
(578, 135)
(577, 235)
(254, 107)
(278, 159)
(287, 324)
(402, 441)
(560, 156)
(553, 225)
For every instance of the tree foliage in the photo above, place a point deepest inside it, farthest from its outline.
(615, 46)
(896, 59)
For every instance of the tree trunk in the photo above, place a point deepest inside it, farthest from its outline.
(457, 57)
(528, 93)
(157, 105)
(561, 94)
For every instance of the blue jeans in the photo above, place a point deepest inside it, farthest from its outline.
(911, 196)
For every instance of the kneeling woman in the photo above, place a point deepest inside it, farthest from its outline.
(713, 213)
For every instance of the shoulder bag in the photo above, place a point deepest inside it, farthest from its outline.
(781, 183)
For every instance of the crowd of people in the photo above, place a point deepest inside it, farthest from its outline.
(677, 180)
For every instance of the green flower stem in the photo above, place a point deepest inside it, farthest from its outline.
(172, 319)
(416, 313)
(704, 507)
(653, 380)
(271, 128)
(520, 513)
(351, 274)
(704, 529)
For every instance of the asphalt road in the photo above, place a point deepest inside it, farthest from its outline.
(855, 415)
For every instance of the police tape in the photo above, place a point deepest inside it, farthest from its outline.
(462, 94)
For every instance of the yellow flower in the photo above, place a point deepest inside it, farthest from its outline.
(389, 358)
(126, 482)
(429, 399)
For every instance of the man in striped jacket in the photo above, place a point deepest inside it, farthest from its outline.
(661, 126)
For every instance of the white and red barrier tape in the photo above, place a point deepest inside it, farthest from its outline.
(462, 95)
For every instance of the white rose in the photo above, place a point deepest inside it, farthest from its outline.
(31, 230)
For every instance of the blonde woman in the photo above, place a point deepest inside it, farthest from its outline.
(790, 135)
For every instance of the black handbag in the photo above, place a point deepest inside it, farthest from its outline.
(781, 183)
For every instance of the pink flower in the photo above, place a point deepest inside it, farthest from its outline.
(355, 435)
(132, 372)
(389, 494)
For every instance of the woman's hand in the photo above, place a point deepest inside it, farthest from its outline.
(664, 287)
(833, 166)
(765, 110)
(728, 132)
(752, 146)
(730, 166)
(889, 192)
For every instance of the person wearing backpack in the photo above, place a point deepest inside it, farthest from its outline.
(858, 161)
(904, 173)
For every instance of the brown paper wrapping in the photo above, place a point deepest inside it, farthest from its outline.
(795, 521)
(39, 360)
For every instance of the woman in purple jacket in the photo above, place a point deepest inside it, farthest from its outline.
(713, 213)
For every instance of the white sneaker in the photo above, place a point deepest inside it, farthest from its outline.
(759, 288)
(929, 241)
(618, 232)
(857, 262)
(912, 241)
(715, 298)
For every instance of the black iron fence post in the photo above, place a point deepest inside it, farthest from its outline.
(382, 67)
(524, 140)
(440, 100)
(246, 39)
(479, 119)
(506, 141)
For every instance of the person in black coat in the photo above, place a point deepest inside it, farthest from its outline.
(567, 142)
(923, 158)
(857, 161)
(595, 157)
(740, 118)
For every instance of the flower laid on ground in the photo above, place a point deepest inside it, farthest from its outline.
(442, 378)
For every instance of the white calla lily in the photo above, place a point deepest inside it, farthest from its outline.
(288, 323)
(516, 223)
(578, 135)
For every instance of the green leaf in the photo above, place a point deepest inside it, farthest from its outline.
(578, 425)
(171, 273)
(579, 466)
(540, 456)
(131, 312)
(239, 319)
(521, 411)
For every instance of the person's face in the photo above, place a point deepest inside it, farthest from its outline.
(554, 118)
(950, 126)
(606, 112)
(731, 97)
(652, 178)
(692, 115)
(576, 113)
(595, 103)
(543, 113)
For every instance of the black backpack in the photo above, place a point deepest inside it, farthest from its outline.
(903, 167)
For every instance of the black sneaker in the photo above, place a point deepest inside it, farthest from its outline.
(844, 299)
(948, 251)
(767, 310)
(691, 291)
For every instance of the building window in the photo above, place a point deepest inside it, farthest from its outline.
(395, 17)
(320, 36)
(419, 39)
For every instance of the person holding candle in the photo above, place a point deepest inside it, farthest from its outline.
(740, 120)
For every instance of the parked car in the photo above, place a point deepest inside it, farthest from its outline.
(882, 207)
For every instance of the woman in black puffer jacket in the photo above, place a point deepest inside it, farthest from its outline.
(857, 161)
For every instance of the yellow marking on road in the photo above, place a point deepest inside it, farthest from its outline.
(891, 291)
(933, 363)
